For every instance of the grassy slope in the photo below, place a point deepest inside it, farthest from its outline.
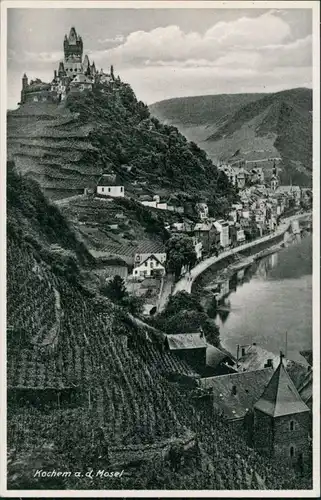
(277, 124)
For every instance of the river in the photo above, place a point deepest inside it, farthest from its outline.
(270, 298)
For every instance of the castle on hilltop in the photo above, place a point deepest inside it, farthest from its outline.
(74, 74)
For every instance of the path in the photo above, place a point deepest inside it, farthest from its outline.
(65, 201)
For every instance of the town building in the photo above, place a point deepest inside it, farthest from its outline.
(235, 394)
(191, 347)
(108, 186)
(207, 233)
(223, 229)
(150, 267)
(148, 248)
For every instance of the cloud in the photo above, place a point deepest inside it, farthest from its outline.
(171, 43)
(116, 39)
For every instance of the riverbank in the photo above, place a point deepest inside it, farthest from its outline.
(186, 282)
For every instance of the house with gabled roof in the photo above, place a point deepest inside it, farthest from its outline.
(191, 347)
(151, 266)
(109, 186)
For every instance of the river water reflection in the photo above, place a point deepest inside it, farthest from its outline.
(272, 297)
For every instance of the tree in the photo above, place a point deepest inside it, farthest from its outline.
(182, 301)
(134, 305)
(115, 289)
(180, 252)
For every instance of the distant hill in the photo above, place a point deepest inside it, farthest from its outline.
(249, 126)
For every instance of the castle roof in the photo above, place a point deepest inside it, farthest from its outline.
(73, 36)
(86, 63)
(280, 397)
(108, 180)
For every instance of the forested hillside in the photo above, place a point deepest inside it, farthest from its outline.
(87, 389)
(66, 147)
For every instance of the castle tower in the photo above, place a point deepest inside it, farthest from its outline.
(282, 420)
(73, 49)
(23, 89)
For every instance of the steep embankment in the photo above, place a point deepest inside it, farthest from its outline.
(65, 147)
(277, 125)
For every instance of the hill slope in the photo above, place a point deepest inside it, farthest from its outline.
(66, 147)
(100, 397)
(253, 127)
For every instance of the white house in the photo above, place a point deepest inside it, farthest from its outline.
(108, 186)
(223, 228)
(151, 266)
(162, 206)
(151, 204)
(141, 256)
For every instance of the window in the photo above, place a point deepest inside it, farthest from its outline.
(146, 264)
(102, 190)
(292, 425)
(291, 451)
(121, 189)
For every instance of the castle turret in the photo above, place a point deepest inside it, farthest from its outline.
(86, 63)
(93, 70)
(61, 70)
(23, 89)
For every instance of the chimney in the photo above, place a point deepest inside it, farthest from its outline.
(234, 390)
(269, 364)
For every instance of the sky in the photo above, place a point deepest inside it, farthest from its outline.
(164, 53)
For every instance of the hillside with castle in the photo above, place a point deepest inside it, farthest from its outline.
(108, 210)
(75, 74)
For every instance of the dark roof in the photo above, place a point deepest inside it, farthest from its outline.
(248, 387)
(108, 180)
(215, 356)
(186, 341)
(280, 397)
(306, 388)
(256, 356)
(151, 256)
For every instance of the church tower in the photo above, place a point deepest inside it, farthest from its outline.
(274, 178)
(282, 420)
